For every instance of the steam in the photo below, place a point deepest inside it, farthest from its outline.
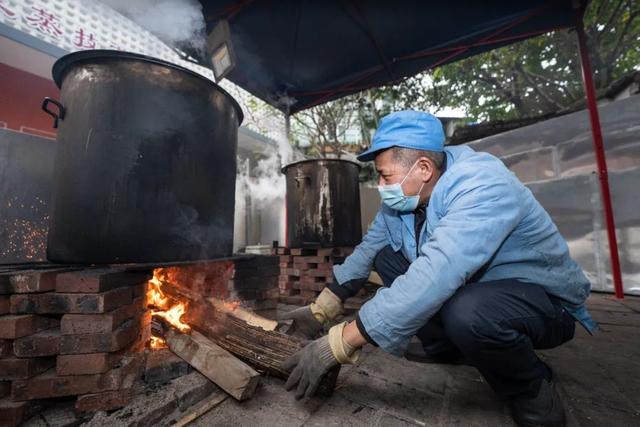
(268, 182)
(261, 193)
(176, 22)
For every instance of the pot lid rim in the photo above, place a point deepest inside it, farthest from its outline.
(63, 63)
(287, 166)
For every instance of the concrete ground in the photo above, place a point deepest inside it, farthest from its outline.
(598, 377)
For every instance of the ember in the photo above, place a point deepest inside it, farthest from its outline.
(157, 343)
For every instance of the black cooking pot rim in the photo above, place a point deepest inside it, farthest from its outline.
(285, 167)
(63, 63)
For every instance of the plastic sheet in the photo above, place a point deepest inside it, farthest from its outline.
(555, 160)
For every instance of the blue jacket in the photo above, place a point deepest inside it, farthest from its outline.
(482, 224)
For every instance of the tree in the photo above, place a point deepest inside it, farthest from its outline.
(542, 74)
(536, 76)
(324, 127)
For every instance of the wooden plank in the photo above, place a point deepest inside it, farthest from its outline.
(201, 408)
(229, 373)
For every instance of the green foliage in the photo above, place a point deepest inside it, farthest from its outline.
(543, 74)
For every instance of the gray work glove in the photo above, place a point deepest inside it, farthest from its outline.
(308, 321)
(305, 325)
(309, 366)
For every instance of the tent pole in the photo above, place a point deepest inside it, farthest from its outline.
(589, 88)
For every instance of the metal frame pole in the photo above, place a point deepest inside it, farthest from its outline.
(598, 147)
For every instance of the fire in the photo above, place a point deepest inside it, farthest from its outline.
(173, 316)
(163, 306)
(157, 343)
(231, 305)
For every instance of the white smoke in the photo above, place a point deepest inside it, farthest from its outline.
(260, 194)
(176, 22)
(266, 183)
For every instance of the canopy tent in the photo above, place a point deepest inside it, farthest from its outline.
(295, 54)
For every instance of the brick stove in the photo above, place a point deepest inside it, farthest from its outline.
(82, 335)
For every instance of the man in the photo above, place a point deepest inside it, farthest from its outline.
(472, 265)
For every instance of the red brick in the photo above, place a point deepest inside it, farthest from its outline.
(320, 273)
(311, 259)
(12, 413)
(6, 348)
(85, 364)
(302, 251)
(59, 303)
(4, 304)
(107, 342)
(44, 343)
(98, 280)
(285, 284)
(33, 281)
(308, 294)
(316, 279)
(75, 324)
(292, 272)
(49, 385)
(12, 368)
(106, 401)
(16, 326)
(303, 266)
(304, 286)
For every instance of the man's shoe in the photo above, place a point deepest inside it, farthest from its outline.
(544, 410)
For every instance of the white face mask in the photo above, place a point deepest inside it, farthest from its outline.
(393, 196)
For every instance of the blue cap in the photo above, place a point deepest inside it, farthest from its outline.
(408, 129)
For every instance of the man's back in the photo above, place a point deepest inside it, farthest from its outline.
(534, 251)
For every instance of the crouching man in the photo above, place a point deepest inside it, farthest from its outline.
(472, 265)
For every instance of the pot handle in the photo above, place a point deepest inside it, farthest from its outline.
(56, 116)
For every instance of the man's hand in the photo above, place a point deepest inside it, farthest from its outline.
(309, 320)
(305, 324)
(316, 359)
(309, 366)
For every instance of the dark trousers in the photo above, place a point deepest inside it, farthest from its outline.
(495, 326)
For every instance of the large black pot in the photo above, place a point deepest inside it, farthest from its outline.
(323, 203)
(146, 161)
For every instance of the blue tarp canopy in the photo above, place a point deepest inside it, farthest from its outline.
(295, 54)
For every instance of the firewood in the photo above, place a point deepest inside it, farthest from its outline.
(244, 314)
(265, 350)
(228, 372)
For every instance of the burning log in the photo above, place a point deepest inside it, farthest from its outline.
(243, 314)
(264, 349)
(229, 373)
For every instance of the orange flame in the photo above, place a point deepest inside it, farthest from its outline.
(157, 343)
(173, 316)
(163, 307)
(231, 305)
